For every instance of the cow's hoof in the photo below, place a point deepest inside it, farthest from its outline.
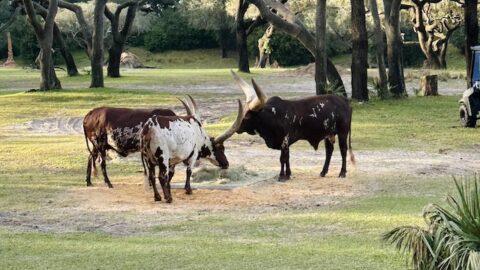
(89, 185)
(188, 191)
(169, 200)
(342, 175)
(109, 185)
(322, 174)
(157, 199)
(283, 178)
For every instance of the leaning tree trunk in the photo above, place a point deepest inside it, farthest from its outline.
(264, 47)
(67, 56)
(320, 48)
(471, 33)
(286, 21)
(359, 51)
(241, 35)
(394, 48)
(97, 45)
(379, 45)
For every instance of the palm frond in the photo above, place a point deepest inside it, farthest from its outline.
(451, 239)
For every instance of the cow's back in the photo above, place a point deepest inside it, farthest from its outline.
(119, 127)
(317, 117)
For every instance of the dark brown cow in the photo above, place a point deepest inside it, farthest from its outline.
(116, 129)
(283, 122)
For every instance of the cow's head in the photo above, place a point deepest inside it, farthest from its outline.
(213, 148)
(262, 117)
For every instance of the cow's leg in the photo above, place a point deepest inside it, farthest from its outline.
(89, 171)
(342, 141)
(103, 165)
(188, 189)
(91, 166)
(164, 181)
(328, 156)
(151, 177)
(284, 162)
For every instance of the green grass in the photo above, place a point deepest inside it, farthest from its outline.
(35, 169)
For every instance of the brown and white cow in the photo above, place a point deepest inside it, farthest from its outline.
(116, 129)
(283, 122)
(169, 140)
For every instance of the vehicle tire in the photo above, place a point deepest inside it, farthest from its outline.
(465, 119)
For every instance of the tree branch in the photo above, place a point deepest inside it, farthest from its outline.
(11, 20)
(32, 16)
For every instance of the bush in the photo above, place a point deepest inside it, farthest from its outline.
(412, 54)
(451, 239)
(23, 40)
(285, 49)
(172, 32)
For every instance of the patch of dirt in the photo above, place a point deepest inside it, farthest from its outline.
(53, 126)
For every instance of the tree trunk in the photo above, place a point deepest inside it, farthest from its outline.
(241, 34)
(429, 85)
(67, 56)
(320, 48)
(379, 45)
(47, 69)
(432, 61)
(114, 57)
(97, 45)
(359, 51)
(223, 36)
(44, 34)
(471, 34)
(394, 48)
(10, 61)
(119, 36)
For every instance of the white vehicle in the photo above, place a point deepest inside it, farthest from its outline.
(470, 101)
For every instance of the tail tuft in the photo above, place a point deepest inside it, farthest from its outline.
(94, 168)
(352, 156)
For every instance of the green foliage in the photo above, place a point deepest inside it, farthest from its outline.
(171, 31)
(412, 54)
(452, 237)
(377, 90)
(458, 40)
(285, 49)
(289, 51)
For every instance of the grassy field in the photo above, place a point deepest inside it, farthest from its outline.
(37, 169)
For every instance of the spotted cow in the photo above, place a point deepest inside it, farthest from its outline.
(116, 129)
(169, 140)
(281, 123)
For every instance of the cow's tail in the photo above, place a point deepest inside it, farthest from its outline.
(94, 164)
(350, 150)
(146, 182)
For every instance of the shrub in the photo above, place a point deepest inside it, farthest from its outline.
(172, 32)
(285, 49)
(451, 239)
(412, 54)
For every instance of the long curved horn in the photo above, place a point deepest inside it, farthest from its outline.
(194, 106)
(262, 98)
(246, 88)
(235, 126)
(187, 108)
